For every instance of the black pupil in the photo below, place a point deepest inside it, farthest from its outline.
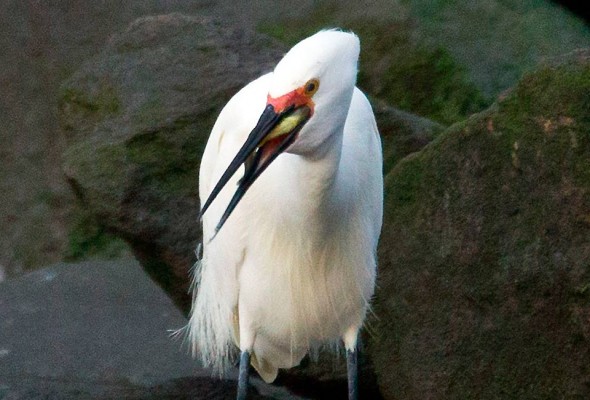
(310, 87)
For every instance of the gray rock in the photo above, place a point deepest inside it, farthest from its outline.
(402, 133)
(136, 118)
(42, 43)
(99, 330)
(96, 325)
(138, 115)
(484, 278)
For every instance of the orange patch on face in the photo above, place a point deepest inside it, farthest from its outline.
(296, 98)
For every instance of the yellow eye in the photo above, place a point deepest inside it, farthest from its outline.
(311, 87)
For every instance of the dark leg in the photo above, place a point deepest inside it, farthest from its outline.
(243, 375)
(352, 366)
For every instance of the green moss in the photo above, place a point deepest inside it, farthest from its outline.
(103, 164)
(97, 173)
(88, 239)
(485, 244)
(168, 160)
(149, 113)
(538, 93)
(404, 191)
(103, 102)
(553, 102)
(428, 82)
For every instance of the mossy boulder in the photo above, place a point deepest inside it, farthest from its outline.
(484, 258)
(136, 118)
(402, 133)
(484, 282)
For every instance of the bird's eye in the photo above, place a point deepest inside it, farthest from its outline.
(311, 87)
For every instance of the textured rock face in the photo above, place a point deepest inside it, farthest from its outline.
(136, 118)
(402, 133)
(483, 283)
(418, 55)
(99, 330)
(485, 254)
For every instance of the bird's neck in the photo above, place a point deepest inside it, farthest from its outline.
(318, 169)
(311, 189)
(305, 184)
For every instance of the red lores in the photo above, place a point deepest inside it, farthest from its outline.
(295, 98)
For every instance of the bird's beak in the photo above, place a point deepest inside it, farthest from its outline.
(273, 134)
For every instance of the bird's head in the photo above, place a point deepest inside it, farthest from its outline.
(313, 85)
(308, 100)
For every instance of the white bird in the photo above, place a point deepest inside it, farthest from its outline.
(290, 240)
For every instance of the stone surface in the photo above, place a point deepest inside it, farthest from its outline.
(136, 119)
(402, 133)
(484, 279)
(417, 56)
(99, 330)
(91, 321)
(133, 147)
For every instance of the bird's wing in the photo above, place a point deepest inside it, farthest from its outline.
(361, 164)
(211, 325)
(235, 122)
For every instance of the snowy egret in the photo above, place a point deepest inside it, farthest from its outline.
(289, 244)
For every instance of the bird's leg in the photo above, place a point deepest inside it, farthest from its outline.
(243, 376)
(352, 367)
(351, 345)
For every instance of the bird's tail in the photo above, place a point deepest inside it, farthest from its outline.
(209, 330)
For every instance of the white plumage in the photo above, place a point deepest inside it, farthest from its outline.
(294, 265)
